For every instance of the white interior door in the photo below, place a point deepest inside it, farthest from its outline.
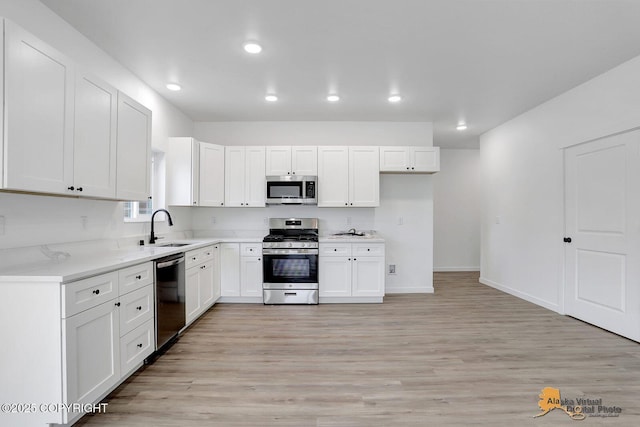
(602, 198)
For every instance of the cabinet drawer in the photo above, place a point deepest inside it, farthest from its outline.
(86, 293)
(198, 256)
(364, 249)
(136, 308)
(335, 249)
(136, 346)
(135, 277)
(250, 249)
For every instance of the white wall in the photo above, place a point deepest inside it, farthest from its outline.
(31, 220)
(456, 195)
(522, 178)
(410, 197)
(315, 133)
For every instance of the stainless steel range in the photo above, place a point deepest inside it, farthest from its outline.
(290, 261)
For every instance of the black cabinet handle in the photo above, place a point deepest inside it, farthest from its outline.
(258, 259)
(346, 204)
(117, 304)
(567, 239)
(412, 168)
(348, 259)
(79, 189)
(138, 277)
(335, 250)
(96, 291)
(293, 173)
(407, 167)
(368, 249)
(71, 188)
(221, 203)
(288, 173)
(195, 203)
(139, 307)
(355, 259)
(203, 267)
(351, 204)
(139, 345)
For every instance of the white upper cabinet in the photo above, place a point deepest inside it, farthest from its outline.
(244, 176)
(410, 159)
(211, 174)
(182, 172)
(94, 137)
(333, 176)
(292, 160)
(348, 176)
(364, 176)
(134, 150)
(38, 132)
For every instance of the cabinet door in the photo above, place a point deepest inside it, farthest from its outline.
(250, 276)
(333, 176)
(394, 159)
(230, 269)
(278, 160)
(207, 292)
(136, 308)
(211, 174)
(133, 150)
(38, 123)
(368, 276)
(304, 161)
(181, 184)
(234, 176)
(94, 137)
(216, 273)
(425, 159)
(193, 303)
(92, 353)
(255, 182)
(364, 176)
(334, 274)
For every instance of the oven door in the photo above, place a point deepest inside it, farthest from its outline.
(290, 268)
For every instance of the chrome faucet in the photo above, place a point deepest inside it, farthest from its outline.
(153, 238)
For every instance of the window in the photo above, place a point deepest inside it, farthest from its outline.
(141, 211)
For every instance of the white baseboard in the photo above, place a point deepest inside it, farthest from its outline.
(446, 269)
(409, 290)
(522, 295)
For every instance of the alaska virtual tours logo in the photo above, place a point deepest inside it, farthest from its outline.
(578, 409)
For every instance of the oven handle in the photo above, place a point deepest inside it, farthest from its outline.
(290, 252)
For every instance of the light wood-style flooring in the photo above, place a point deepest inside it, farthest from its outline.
(466, 355)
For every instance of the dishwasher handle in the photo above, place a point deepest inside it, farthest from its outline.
(170, 263)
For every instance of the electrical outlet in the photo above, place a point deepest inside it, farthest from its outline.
(348, 220)
(392, 269)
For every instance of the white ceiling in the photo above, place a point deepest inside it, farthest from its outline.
(481, 61)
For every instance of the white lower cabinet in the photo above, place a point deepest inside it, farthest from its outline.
(202, 289)
(105, 343)
(351, 272)
(241, 272)
(92, 350)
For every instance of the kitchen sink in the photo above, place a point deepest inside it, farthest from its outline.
(173, 245)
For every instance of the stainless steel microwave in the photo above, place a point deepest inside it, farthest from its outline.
(292, 190)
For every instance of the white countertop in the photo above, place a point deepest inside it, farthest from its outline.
(70, 267)
(88, 260)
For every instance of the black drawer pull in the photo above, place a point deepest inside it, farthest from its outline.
(139, 345)
(117, 304)
(138, 277)
(139, 307)
(96, 291)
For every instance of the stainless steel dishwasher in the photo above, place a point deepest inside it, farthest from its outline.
(170, 309)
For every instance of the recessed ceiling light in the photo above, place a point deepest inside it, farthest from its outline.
(333, 98)
(395, 98)
(461, 126)
(271, 98)
(173, 86)
(252, 47)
